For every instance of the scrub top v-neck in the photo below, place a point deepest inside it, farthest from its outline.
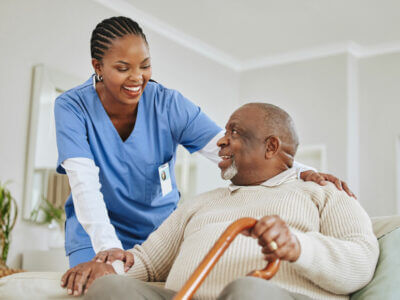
(128, 169)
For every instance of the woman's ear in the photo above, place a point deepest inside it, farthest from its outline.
(97, 66)
(272, 145)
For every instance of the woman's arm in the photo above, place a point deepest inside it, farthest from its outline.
(89, 205)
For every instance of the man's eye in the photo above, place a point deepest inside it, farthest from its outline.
(234, 132)
(146, 67)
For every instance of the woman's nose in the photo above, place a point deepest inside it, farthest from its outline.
(136, 75)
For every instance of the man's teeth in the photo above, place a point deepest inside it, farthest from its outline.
(226, 156)
(133, 89)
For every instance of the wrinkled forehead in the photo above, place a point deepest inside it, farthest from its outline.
(247, 117)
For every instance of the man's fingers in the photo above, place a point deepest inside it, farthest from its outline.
(111, 258)
(102, 256)
(80, 282)
(89, 282)
(246, 232)
(70, 284)
(64, 278)
(129, 260)
(77, 284)
(262, 225)
(270, 257)
(269, 236)
(93, 277)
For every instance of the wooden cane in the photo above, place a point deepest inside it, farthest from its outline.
(198, 276)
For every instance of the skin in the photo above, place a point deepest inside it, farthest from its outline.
(259, 155)
(125, 64)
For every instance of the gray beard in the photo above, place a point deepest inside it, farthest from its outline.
(230, 172)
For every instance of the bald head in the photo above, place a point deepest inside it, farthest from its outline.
(260, 142)
(277, 122)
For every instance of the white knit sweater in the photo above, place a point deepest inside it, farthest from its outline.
(338, 248)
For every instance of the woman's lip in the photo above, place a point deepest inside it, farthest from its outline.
(132, 93)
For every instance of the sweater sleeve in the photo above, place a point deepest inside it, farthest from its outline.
(154, 258)
(341, 258)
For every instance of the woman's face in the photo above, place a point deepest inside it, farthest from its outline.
(125, 69)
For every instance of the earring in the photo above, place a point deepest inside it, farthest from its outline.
(99, 77)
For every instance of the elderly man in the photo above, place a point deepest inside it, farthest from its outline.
(323, 237)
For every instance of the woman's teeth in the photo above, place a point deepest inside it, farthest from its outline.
(132, 89)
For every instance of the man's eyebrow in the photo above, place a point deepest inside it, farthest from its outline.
(146, 59)
(234, 125)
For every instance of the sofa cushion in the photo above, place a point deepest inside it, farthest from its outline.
(386, 281)
(33, 285)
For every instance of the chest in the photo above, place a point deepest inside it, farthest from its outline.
(300, 213)
(124, 126)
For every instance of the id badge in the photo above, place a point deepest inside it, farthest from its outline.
(165, 179)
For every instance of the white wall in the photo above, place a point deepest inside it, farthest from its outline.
(57, 33)
(352, 106)
(379, 82)
(314, 93)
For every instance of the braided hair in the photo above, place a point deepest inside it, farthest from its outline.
(110, 29)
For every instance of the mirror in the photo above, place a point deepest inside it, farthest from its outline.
(41, 179)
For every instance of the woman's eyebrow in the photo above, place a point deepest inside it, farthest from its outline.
(146, 59)
(122, 62)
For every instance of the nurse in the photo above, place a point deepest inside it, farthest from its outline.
(117, 135)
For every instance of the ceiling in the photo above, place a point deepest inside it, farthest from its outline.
(246, 30)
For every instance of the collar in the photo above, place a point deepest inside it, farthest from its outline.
(285, 176)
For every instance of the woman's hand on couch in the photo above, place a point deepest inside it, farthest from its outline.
(79, 278)
(113, 254)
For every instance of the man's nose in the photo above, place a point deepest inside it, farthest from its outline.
(222, 141)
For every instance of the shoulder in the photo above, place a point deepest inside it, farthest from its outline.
(319, 194)
(76, 97)
(79, 91)
(162, 95)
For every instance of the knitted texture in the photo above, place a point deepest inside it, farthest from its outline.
(338, 248)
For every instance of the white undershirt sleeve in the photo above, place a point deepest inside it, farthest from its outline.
(89, 204)
(211, 150)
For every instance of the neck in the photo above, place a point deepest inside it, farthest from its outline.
(265, 171)
(113, 107)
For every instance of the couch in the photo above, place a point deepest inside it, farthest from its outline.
(384, 285)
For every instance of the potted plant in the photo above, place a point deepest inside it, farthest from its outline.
(54, 216)
(8, 217)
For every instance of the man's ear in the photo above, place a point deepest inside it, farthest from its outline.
(272, 145)
(97, 66)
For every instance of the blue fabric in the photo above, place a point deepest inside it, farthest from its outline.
(80, 256)
(128, 169)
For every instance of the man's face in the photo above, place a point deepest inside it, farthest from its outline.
(242, 147)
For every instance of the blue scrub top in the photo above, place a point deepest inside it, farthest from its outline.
(128, 174)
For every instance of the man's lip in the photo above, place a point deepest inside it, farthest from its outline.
(225, 163)
(225, 156)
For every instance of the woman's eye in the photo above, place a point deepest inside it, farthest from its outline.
(122, 69)
(146, 67)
